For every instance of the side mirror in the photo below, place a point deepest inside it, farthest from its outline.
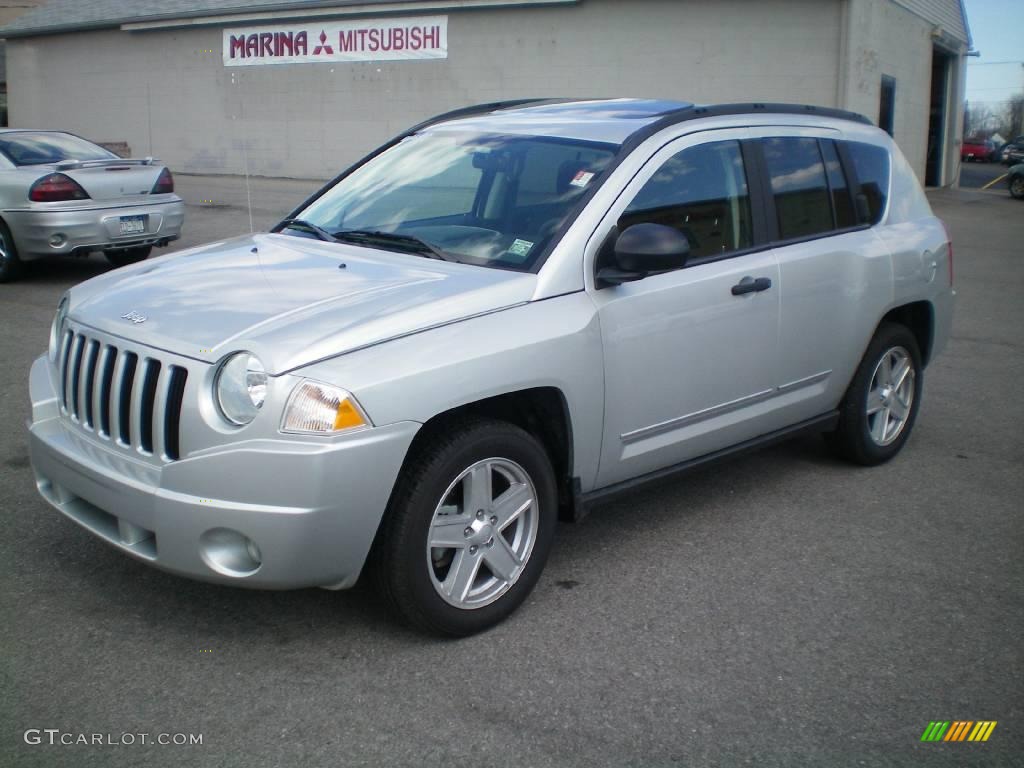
(641, 250)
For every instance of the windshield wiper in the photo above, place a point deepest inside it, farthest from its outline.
(323, 234)
(408, 243)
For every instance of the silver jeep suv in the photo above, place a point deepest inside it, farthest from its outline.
(504, 315)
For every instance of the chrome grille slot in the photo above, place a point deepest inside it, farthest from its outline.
(129, 398)
(106, 378)
(65, 359)
(92, 353)
(150, 372)
(76, 374)
(172, 412)
(124, 397)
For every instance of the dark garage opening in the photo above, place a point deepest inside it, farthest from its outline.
(937, 118)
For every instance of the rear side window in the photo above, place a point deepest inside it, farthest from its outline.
(799, 186)
(702, 192)
(28, 148)
(871, 164)
(842, 201)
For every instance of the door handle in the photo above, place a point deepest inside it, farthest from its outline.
(751, 285)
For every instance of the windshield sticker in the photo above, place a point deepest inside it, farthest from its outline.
(520, 248)
(581, 179)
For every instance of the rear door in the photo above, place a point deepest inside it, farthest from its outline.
(835, 272)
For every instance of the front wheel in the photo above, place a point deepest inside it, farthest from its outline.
(1017, 186)
(468, 528)
(126, 256)
(878, 412)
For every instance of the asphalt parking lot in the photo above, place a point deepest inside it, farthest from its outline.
(782, 609)
(979, 175)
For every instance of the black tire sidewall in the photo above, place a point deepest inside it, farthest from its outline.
(412, 511)
(10, 267)
(855, 438)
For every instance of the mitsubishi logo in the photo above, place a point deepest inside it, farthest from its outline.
(323, 47)
(134, 316)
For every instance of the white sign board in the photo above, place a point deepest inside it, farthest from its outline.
(419, 37)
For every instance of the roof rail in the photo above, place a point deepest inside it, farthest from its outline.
(715, 110)
(478, 109)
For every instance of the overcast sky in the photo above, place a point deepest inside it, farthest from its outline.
(997, 30)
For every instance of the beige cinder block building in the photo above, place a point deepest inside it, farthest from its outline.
(302, 88)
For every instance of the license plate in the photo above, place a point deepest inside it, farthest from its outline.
(133, 225)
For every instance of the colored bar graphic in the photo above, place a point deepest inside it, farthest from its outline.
(958, 730)
(935, 730)
(982, 730)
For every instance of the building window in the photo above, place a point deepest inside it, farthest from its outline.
(887, 104)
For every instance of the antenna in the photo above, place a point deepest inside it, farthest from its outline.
(245, 148)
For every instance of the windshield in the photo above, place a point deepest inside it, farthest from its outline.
(25, 148)
(478, 198)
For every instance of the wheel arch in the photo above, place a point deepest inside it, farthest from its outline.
(542, 411)
(919, 318)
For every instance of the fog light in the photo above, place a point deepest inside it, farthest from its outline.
(254, 552)
(229, 552)
(57, 239)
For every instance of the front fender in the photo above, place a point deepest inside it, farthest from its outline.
(551, 343)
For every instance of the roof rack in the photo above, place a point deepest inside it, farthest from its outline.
(689, 112)
(716, 110)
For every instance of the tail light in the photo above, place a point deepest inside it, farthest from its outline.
(55, 188)
(164, 183)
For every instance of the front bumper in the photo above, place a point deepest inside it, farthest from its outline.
(320, 501)
(92, 228)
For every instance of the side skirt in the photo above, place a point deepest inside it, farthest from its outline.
(586, 501)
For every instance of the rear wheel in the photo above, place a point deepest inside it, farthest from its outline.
(10, 264)
(468, 528)
(1017, 186)
(126, 256)
(878, 412)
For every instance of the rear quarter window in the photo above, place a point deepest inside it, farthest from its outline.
(871, 165)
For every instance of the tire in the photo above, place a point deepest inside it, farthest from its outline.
(128, 256)
(1017, 186)
(10, 264)
(860, 436)
(452, 590)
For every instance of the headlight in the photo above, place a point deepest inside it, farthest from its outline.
(320, 409)
(57, 329)
(241, 387)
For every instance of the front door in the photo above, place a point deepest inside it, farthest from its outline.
(690, 365)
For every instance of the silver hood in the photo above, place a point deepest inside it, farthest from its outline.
(288, 299)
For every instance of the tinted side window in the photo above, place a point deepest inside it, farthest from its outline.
(702, 192)
(842, 202)
(798, 185)
(871, 164)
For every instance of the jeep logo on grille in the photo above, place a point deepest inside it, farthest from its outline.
(134, 316)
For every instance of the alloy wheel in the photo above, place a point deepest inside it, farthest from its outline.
(482, 533)
(890, 396)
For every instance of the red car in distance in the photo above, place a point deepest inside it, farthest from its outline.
(983, 150)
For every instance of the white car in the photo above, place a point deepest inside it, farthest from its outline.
(63, 195)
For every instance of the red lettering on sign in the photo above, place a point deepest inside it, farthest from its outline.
(238, 46)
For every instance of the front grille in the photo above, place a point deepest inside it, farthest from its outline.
(134, 401)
